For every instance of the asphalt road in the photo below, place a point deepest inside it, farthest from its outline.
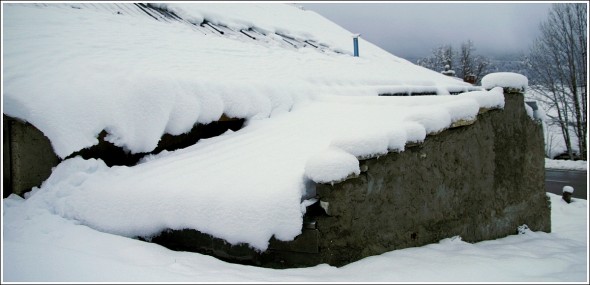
(555, 179)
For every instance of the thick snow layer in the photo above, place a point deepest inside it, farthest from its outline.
(73, 70)
(568, 189)
(247, 186)
(39, 246)
(331, 165)
(566, 164)
(505, 79)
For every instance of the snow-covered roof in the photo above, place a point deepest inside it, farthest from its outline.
(73, 70)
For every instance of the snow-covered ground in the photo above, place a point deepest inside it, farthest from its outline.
(40, 246)
(75, 70)
(566, 164)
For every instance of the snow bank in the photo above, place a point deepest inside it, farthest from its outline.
(38, 246)
(505, 79)
(566, 164)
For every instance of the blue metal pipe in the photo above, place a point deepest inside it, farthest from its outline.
(355, 41)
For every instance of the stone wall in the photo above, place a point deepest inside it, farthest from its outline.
(481, 181)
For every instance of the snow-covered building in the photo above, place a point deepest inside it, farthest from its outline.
(252, 133)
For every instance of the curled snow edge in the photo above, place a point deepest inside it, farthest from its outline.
(340, 160)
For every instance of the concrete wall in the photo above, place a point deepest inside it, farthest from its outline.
(6, 172)
(480, 181)
(27, 157)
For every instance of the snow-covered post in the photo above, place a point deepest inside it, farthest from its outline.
(567, 193)
(511, 82)
(355, 42)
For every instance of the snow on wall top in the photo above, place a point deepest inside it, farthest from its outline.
(506, 80)
(73, 70)
(250, 185)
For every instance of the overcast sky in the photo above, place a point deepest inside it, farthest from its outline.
(411, 30)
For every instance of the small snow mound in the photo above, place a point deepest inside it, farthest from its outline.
(524, 229)
(455, 240)
(363, 145)
(568, 189)
(12, 200)
(434, 119)
(331, 165)
(487, 99)
(505, 79)
(307, 203)
(415, 132)
(397, 139)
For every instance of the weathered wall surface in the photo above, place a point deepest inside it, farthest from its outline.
(480, 182)
(6, 172)
(27, 157)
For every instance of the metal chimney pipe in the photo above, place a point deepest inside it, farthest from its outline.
(355, 42)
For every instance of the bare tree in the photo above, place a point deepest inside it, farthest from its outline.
(441, 57)
(468, 66)
(465, 58)
(471, 67)
(558, 62)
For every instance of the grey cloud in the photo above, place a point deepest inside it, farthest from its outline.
(413, 29)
